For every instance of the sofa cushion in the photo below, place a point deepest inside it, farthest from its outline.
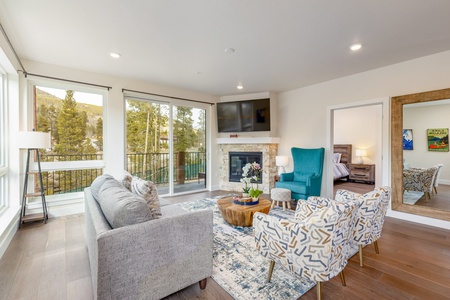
(147, 190)
(125, 179)
(120, 206)
(98, 183)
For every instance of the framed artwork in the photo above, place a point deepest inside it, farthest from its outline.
(408, 139)
(437, 139)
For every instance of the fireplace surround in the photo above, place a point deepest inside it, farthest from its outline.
(268, 149)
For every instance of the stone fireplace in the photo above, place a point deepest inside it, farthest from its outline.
(237, 160)
(267, 147)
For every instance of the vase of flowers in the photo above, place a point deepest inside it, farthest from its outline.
(250, 173)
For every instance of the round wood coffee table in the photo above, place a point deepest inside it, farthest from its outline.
(241, 215)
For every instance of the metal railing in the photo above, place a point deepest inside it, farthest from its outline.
(149, 166)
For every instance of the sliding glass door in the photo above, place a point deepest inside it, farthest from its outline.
(166, 144)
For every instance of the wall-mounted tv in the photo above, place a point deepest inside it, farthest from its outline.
(241, 116)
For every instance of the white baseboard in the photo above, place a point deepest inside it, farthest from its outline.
(8, 227)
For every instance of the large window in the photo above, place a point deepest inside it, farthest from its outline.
(166, 144)
(74, 120)
(3, 145)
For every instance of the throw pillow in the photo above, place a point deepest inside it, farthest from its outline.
(147, 190)
(98, 183)
(120, 206)
(125, 178)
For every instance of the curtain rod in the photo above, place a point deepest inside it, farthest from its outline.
(68, 80)
(37, 75)
(171, 97)
(12, 48)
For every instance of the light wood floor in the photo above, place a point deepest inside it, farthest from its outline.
(50, 262)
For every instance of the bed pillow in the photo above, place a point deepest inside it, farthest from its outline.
(337, 158)
(147, 190)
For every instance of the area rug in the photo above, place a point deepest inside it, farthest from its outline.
(411, 197)
(239, 268)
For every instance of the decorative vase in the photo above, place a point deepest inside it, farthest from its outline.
(245, 195)
(255, 199)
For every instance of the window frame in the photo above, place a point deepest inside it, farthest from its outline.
(67, 165)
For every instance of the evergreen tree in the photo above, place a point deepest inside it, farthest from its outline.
(71, 126)
(183, 130)
(99, 133)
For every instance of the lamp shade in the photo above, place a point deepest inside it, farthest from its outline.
(361, 152)
(281, 161)
(33, 140)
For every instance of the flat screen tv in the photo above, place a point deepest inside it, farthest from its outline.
(243, 116)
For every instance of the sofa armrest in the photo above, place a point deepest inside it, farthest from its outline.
(287, 176)
(154, 259)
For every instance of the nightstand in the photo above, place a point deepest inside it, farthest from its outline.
(362, 172)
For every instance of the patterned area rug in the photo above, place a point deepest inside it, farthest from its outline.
(411, 197)
(237, 265)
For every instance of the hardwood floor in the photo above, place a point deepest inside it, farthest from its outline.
(50, 262)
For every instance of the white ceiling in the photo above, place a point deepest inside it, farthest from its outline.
(280, 45)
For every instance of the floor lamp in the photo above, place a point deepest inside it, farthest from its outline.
(33, 141)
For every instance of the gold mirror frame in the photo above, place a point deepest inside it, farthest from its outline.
(397, 153)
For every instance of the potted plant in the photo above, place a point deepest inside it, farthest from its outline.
(254, 193)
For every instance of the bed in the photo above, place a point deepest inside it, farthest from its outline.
(342, 157)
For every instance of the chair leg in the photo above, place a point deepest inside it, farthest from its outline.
(273, 204)
(272, 264)
(435, 190)
(284, 205)
(427, 196)
(289, 204)
(202, 283)
(360, 256)
(342, 278)
(319, 290)
(376, 247)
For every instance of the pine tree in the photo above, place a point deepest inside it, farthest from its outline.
(183, 129)
(70, 126)
(99, 133)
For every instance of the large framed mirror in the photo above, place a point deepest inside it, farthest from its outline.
(400, 107)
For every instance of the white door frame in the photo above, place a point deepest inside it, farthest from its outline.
(385, 140)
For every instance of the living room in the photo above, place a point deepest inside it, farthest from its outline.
(303, 119)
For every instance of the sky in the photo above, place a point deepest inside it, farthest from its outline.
(94, 99)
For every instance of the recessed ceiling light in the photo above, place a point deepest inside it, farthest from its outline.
(355, 47)
(115, 55)
(240, 87)
(229, 50)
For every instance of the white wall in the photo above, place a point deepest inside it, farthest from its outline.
(361, 127)
(419, 119)
(303, 111)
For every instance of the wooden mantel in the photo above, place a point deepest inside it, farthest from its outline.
(249, 140)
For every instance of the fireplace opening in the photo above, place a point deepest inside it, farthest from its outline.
(240, 159)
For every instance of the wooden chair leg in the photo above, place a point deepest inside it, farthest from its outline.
(203, 283)
(272, 264)
(376, 247)
(289, 204)
(273, 204)
(284, 205)
(319, 290)
(342, 278)
(427, 196)
(360, 256)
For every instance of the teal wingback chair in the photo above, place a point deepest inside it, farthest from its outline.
(306, 179)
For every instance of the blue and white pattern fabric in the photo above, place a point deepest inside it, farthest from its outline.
(314, 245)
(370, 213)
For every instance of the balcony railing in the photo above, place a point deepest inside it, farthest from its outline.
(149, 166)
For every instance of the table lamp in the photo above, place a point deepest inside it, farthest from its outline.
(360, 153)
(281, 162)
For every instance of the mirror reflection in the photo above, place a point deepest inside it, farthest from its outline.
(426, 156)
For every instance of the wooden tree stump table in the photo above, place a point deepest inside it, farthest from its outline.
(241, 215)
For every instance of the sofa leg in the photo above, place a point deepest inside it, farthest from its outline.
(202, 283)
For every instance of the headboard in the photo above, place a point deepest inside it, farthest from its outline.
(346, 152)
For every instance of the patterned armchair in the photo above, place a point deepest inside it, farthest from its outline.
(371, 210)
(420, 180)
(436, 179)
(314, 244)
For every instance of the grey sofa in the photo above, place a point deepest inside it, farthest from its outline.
(149, 260)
